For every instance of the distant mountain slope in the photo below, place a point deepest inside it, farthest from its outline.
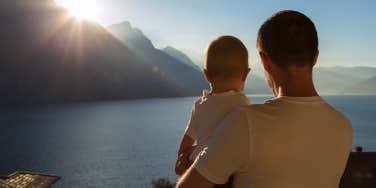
(197, 58)
(327, 80)
(365, 87)
(175, 53)
(256, 84)
(46, 57)
(336, 79)
(186, 77)
(134, 38)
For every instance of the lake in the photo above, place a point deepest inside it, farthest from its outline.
(123, 143)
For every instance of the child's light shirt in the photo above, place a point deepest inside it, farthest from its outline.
(208, 112)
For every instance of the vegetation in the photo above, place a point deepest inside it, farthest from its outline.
(162, 183)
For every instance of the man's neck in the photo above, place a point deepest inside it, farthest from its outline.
(297, 84)
(293, 91)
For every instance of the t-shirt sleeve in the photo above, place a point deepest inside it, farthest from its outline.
(191, 129)
(227, 151)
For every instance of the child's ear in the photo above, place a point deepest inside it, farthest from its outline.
(245, 75)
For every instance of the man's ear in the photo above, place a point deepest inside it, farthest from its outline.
(206, 75)
(316, 58)
(266, 62)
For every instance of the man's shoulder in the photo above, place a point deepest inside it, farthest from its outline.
(258, 109)
(342, 121)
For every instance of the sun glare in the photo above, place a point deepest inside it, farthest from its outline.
(81, 9)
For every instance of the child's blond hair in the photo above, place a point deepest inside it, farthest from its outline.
(226, 58)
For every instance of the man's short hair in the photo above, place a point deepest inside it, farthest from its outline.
(226, 57)
(288, 38)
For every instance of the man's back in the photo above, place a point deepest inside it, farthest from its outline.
(295, 142)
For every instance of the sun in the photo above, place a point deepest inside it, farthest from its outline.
(81, 9)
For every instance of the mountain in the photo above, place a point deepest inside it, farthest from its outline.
(365, 87)
(183, 74)
(256, 84)
(47, 57)
(134, 38)
(336, 79)
(327, 80)
(197, 58)
(175, 53)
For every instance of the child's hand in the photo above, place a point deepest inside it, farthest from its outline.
(182, 164)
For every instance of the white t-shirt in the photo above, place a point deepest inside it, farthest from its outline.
(288, 142)
(208, 112)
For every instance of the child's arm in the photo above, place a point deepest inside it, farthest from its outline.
(186, 144)
(185, 150)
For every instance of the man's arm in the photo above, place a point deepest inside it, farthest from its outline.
(192, 178)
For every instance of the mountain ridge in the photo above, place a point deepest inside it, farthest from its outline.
(179, 55)
(366, 87)
(48, 57)
(182, 73)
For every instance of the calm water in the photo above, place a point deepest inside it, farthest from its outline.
(122, 143)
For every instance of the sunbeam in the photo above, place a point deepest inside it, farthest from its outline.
(81, 9)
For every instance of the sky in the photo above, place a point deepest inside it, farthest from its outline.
(347, 29)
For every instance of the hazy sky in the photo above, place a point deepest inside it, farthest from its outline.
(346, 29)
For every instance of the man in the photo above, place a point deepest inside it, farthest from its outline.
(294, 140)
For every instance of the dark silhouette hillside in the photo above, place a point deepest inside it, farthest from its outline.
(47, 57)
(187, 77)
(175, 53)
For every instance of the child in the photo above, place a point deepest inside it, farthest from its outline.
(226, 69)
